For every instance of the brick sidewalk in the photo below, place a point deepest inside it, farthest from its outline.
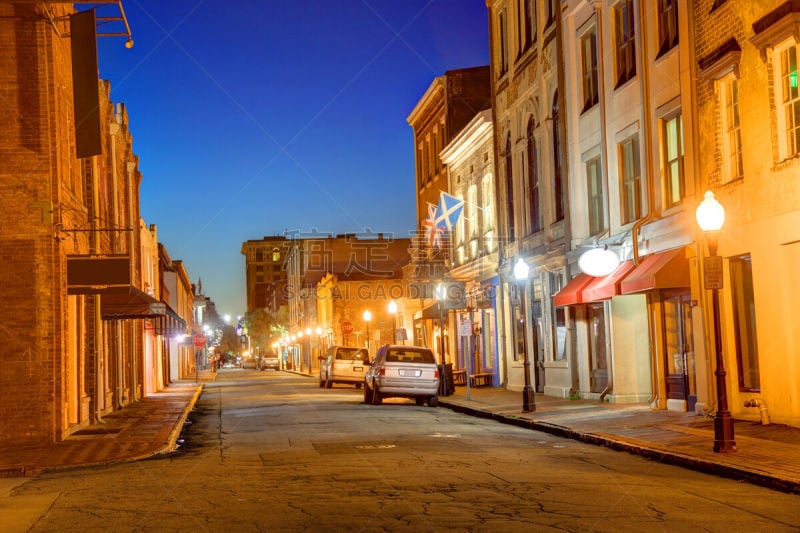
(146, 428)
(766, 455)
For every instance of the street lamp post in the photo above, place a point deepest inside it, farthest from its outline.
(710, 216)
(367, 318)
(393, 312)
(521, 270)
(440, 294)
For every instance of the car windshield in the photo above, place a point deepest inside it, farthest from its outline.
(352, 354)
(398, 355)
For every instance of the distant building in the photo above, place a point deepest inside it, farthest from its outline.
(265, 275)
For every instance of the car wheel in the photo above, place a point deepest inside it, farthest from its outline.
(321, 382)
(328, 383)
(433, 401)
(377, 399)
(367, 395)
(358, 385)
(419, 401)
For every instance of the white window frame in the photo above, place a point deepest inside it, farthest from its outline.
(732, 164)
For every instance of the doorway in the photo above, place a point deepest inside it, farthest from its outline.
(598, 363)
(681, 377)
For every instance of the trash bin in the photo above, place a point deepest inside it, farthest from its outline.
(446, 384)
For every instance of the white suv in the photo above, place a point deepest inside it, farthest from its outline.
(405, 372)
(343, 364)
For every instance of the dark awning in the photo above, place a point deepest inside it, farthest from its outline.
(135, 303)
(130, 303)
(663, 270)
(605, 287)
(571, 294)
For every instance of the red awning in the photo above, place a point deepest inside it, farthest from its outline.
(663, 270)
(571, 294)
(606, 287)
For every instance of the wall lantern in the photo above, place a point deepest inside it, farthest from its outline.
(598, 262)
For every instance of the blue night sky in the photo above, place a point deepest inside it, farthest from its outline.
(251, 118)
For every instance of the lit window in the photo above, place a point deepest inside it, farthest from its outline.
(630, 180)
(672, 153)
(594, 193)
(744, 320)
(732, 135)
(790, 100)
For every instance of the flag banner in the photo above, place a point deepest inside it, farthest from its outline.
(448, 211)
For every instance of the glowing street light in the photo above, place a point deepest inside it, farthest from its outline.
(367, 318)
(710, 217)
(393, 312)
(521, 271)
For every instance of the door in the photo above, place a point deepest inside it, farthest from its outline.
(598, 364)
(681, 379)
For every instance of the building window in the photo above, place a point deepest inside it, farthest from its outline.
(533, 179)
(667, 25)
(509, 190)
(503, 24)
(558, 180)
(732, 135)
(589, 69)
(744, 322)
(488, 212)
(551, 11)
(525, 26)
(672, 153)
(624, 41)
(630, 180)
(276, 254)
(420, 167)
(559, 319)
(471, 216)
(594, 193)
(461, 229)
(790, 100)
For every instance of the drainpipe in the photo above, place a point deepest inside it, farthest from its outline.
(762, 408)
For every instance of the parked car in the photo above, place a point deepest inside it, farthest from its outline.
(343, 364)
(404, 372)
(270, 360)
(249, 362)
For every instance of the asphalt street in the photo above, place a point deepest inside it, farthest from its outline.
(271, 451)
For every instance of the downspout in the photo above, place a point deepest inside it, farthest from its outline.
(500, 250)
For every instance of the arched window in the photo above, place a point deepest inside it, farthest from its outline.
(558, 180)
(533, 178)
(509, 190)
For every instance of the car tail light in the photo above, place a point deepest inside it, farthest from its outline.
(436, 374)
(383, 371)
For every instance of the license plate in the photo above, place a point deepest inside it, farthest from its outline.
(410, 373)
(358, 368)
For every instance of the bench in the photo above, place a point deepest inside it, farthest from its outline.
(481, 380)
(459, 377)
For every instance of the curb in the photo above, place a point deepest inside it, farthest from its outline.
(676, 459)
(175, 432)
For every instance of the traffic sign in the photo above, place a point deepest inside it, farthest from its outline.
(199, 340)
(347, 327)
